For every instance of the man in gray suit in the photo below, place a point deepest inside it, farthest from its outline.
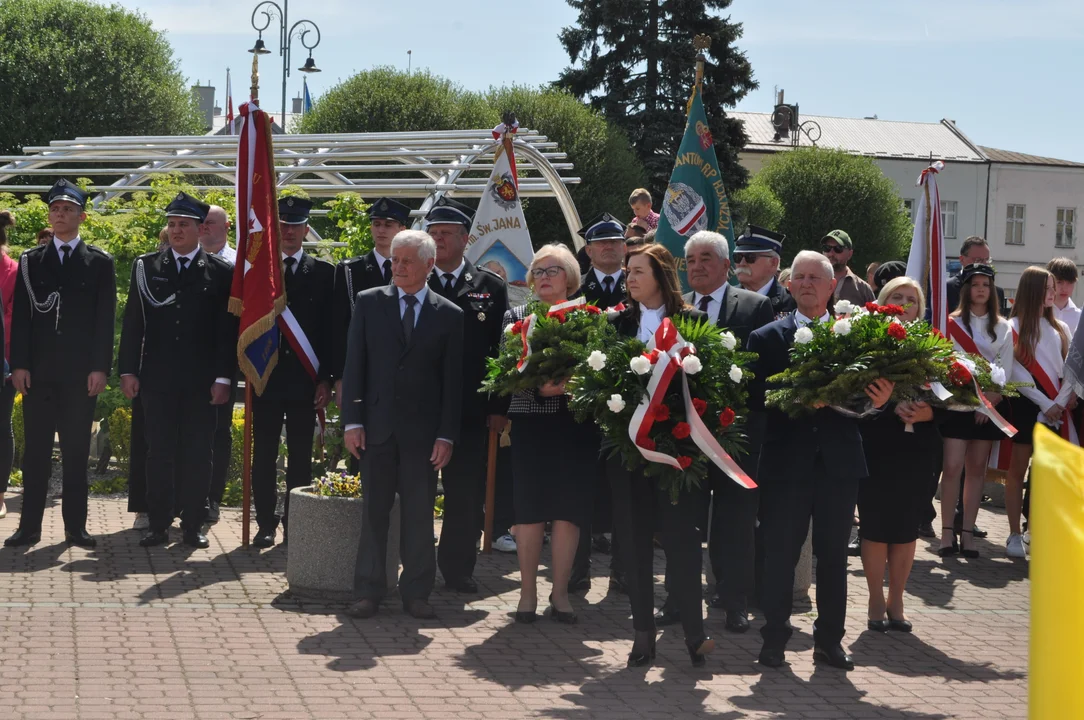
(733, 508)
(402, 389)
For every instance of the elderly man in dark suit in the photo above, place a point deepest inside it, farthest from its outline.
(402, 390)
(483, 297)
(809, 469)
(756, 265)
(733, 508)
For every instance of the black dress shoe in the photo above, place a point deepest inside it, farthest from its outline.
(196, 539)
(526, 616)
(978, 533)
(737, 622)
(698, 649)
(154, 537)
(23, 537)
(579, 584)
(264, 538)
(643, 650)
(212, 512)
(363, 609)
(771, 657)
(665, 616)
(419, 609)
(903, 626)
(80, 537)
(717, 602)
(600, 543)
(854, 547)
(462, 585)
(834, 656)
(880, 626)
(617, 584)
(568, 618)
(926, 530)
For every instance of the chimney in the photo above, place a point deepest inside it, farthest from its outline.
(296, 110)
(205, 99)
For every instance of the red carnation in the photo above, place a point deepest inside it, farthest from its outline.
(959, 375)
(873, 307)
(684, 461)
(938, 333)
(700, 406)
(726, 417)
(559, 314)
(647, 444)
(897, 331)
(517, 328)
(662, 413)
(593, 309)
(681, 430)
(893, 310)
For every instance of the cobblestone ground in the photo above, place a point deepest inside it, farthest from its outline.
(122, 632)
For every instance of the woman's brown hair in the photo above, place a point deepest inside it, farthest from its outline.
(6, 220)
(664, 269)
(963, 311)
(1028, 307)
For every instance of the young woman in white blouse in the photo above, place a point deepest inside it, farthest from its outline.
(1042, 342)
(974, 326)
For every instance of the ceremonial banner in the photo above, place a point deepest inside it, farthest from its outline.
(229, 105)
(258, 294)
(695, 200)
(1056, 663)
(306, 105)
(499, 240)
(926, 261)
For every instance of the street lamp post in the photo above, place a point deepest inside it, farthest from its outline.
(299, 30)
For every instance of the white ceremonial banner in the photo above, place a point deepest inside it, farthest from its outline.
(499, 240)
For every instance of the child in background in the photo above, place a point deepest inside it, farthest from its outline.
(640, 201)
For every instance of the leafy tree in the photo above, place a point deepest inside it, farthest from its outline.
(71, 67)
(822, 190)
(757, 205)
(634, 61)
(385, 99)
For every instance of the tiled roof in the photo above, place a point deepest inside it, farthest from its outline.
(874, 138)
(1015, 158)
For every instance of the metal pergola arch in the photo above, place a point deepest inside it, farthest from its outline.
(423, 165)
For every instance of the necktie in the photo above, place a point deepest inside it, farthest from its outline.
(704, 302)
(449, 281)
(387, 271)
(408, 316)
(65, 251)
(608, 283)
(182, 263)
(289, 262)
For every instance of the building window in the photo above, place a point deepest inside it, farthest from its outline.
(1014, 225)
(1065, 235)
(909, 209)
(948, 219)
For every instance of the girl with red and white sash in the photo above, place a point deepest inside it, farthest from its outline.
(975, 327)
(1042, 342)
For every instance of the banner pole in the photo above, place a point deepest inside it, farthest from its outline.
(491, 493)
(246, 471)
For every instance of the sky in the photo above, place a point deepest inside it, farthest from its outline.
(1007, 71)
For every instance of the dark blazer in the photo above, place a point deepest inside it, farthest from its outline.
(790, 446)
(595, 292)
(742, 312)
(781, 299)
(309, 293)
(411, 391)
(364, 274)
(627, 322)
(185, 345)
(483, 297)
(69, 343)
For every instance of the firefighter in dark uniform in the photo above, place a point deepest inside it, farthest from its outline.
(178, 351)
(292, 391)
(61, 355)
(483, 297)
(603, 285)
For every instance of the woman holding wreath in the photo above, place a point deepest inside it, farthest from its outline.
(553, 456)
(639, 505)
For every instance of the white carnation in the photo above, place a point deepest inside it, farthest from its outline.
(844, 307)
(968, 363)
(729, 341)
(842, 327)
(803, 335)
(691, 365)
(997, 374)
(596, 360)
(735, 373)
(616, 403)
(640, 365)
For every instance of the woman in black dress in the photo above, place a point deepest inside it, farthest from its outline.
(553, 457)
(891, 499)
(639, 505)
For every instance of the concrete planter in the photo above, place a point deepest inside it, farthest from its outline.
(323, 548)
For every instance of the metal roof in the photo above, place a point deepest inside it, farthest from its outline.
(872, 137)
(1015, 158)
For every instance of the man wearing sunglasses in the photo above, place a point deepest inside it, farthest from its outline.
(838, 248)
(756, 265)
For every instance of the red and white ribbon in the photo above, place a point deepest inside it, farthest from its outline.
(669, 346)
(501, 129)
(531, 321)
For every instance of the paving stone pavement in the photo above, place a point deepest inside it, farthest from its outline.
(125, 632)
